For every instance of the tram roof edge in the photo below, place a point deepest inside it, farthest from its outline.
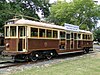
(84, 31)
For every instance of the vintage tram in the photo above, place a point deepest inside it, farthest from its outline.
(30, 40)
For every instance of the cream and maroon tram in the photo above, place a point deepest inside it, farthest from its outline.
(27, 39)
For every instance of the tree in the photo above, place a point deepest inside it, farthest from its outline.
(96, 34)
(22, 7)
(78, 12)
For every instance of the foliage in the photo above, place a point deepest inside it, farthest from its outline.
(97, 34)
(22, 7)
(78, 12)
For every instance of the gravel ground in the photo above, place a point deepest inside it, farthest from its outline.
(46, 63)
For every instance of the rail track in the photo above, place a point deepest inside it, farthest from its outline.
(7, 64)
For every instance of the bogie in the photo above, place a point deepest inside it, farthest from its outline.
(33, 56)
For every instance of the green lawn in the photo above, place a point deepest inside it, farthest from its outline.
(88, 65)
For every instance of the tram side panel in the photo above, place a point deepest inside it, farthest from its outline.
(87, 44)
(11, 44)
(75, 45)
(43, 44)
(68, 44)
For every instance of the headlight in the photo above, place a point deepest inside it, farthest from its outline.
(7, 44)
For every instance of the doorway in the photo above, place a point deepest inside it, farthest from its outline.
(21, 34)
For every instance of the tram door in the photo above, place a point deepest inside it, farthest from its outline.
(21, 40)
(20, 45)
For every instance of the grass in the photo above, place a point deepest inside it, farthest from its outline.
(88, 65)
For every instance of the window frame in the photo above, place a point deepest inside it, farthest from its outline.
(54, 34)
(68, 33)
(47, 33)
(78, 36)
(61, 36)
(23, 32)
(7, 33)
(44, 35)
(36, 33)
(15, 31)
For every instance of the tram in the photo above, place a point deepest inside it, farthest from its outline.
(31, 40)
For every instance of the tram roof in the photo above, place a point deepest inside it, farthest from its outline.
(84, 31)
(30, 22)
(35, 23)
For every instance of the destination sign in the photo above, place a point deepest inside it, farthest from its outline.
(71, 27)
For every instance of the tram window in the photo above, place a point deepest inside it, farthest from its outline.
(62, 34)
(90, 36)
(13, 31)
(22, 31)
(71, 35)
(75, 35)
(49, 33)
(79, 36)
(7, 31)
(83, 36)
(86, 37)
(34, 32)
(42, 33)
(67, 36)
(55, 34)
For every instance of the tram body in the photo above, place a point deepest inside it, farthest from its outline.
(36, 39)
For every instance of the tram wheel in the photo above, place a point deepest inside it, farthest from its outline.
(25, 57)
(33, 56)
(86, 50)
(49, 56)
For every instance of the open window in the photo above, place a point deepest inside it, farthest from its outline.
(7, 31)
(83, 37)
(34, 32)
(55, 34)
(13, 31)
(75, 35)
(72, 35)
(68, 36)
(41, 32)
(49, 33)
(21, 30)
(79, 36)
(62, 35)
(91, 37)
